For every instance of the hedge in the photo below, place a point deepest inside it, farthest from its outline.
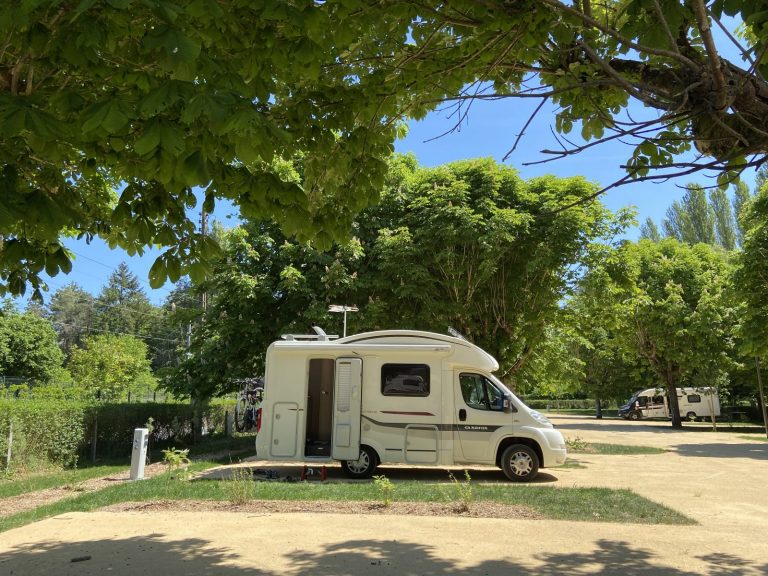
(62, 432)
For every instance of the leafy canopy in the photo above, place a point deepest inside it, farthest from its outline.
(468, 245)
(28, 347)
(671, 305)
(112, 112)
(109, 366)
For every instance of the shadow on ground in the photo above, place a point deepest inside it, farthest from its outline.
(714, 450)
(656, 426)
(280, 472)
(149, 554)
(153, 554)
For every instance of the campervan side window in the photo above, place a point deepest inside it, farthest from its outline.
(479, 393)
(694, 398)
(405, 380)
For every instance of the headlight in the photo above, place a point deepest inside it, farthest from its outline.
(540, 418)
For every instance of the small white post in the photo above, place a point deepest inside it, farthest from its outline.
(139, 453)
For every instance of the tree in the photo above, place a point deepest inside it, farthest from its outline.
(472, 246)
(741, 198)
(28, 347)
(679, 316)
(164, 96)
(110, 366)
(750, 284)
(761, 178)
(610, 367)
(649, 230)
(265, 285)
(725, 224)
(697, 219)
(122, 307)
(72, 314)
(691, 220)
(468, 245)
(750, 276)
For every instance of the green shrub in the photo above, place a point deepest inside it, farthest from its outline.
(59, 432)
(42, 432)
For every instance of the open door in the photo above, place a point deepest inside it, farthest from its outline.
(347, 408)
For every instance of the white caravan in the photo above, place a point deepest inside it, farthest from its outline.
(694, 403)
(398, 396)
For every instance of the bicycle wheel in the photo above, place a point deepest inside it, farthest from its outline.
(240, 409)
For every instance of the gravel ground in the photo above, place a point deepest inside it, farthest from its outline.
(717, 479)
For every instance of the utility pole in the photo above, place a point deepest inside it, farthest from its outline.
(204, 232)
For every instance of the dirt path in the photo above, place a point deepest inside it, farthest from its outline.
(719, 480)
(27, 501)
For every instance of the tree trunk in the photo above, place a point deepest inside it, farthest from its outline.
(674, 407)
(599, 410)
(198, 405)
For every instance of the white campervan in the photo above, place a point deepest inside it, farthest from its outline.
(398, 396)
(693, 403)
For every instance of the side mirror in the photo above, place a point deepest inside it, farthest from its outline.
(507, 405)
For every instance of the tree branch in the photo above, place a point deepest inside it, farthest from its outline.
(622, 39)
(700, 12)
(522, 132)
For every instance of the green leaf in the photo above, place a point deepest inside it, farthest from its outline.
(197, 272)
(174, 43)
(149, 140)
(209, 204)
(173, 267)
(156, 101)
(94, 116)
(171, 139)
(158, 273)
(115, 120)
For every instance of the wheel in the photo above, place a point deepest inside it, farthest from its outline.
(691, 416)
(240, 409)
(520, 463)
(635, 415)
(363, 467)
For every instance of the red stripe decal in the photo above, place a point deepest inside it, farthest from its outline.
(407, 413)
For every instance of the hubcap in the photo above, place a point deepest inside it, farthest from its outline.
(359, 465)
(521, 463)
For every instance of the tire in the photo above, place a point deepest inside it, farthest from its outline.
(363, 467)
(691, 416)
(520, 463)
(635, 415)
(240, 409)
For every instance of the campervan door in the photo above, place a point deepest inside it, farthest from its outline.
(312, 404)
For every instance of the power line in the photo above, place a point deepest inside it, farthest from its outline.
(108, 267)
(88, 328)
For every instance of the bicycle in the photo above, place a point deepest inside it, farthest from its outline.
(248, 406)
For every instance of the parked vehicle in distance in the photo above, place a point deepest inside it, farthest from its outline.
(398, 396)
(693, 403)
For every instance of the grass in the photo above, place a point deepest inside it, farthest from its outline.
(622, 449)
(755, 438)
(579, 504)
(579, 446)
(48, 479)
(607, 413)
(230, 449)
